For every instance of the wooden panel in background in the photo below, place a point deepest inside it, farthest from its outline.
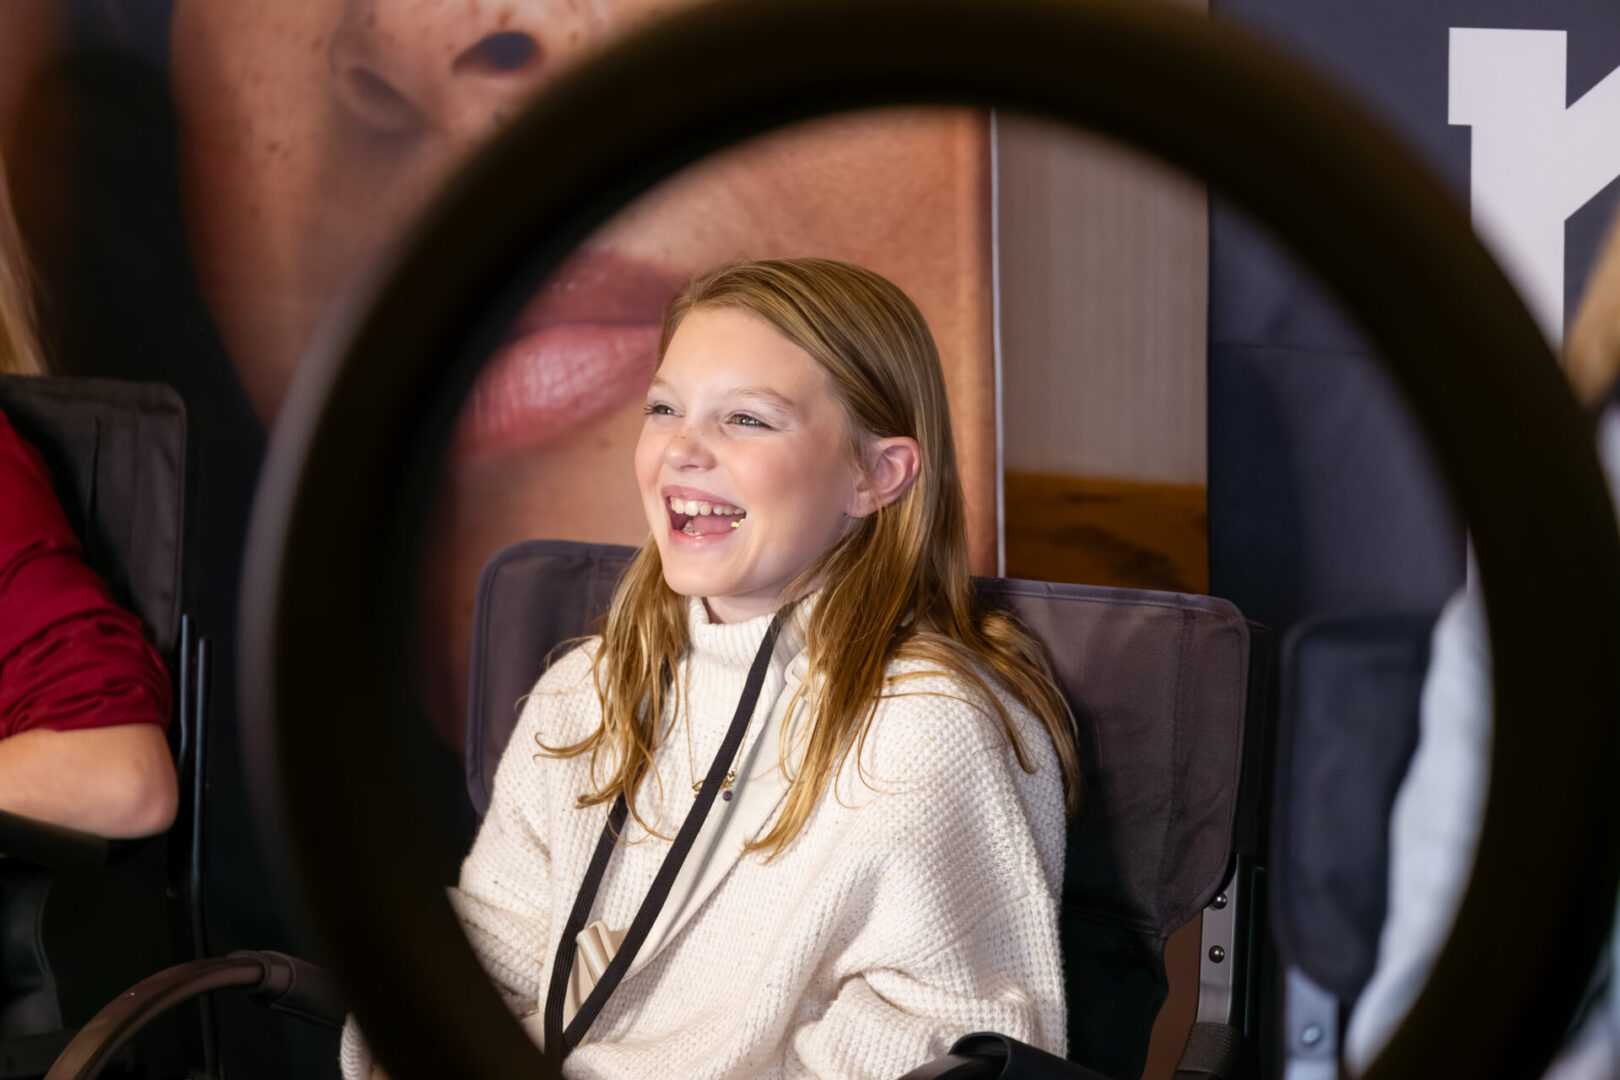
(1107, 532)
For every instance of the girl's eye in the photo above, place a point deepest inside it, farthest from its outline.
(659, 408)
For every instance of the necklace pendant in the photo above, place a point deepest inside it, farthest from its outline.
(725, 786)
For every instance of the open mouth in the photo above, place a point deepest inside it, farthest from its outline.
(695, 517)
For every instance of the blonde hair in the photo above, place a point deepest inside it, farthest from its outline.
(19, 344)
(1592, 350)
(897, 585)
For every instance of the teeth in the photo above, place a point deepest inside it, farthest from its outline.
(696, 507)
(690, 531)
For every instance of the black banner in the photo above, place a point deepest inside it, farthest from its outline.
(1322, 496)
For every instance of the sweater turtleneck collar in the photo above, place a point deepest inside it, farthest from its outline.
(733, 645)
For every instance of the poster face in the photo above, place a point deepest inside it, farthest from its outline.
(308, 134)
(202, 183)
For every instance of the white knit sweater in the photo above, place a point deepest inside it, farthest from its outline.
(917, 905)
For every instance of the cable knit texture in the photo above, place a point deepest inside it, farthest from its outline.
(918, 904)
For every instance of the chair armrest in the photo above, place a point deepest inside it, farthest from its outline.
(958, 1067)
(55, 847)
(281, 981)
(95, 1044)
(299, 988)
(986, 1055)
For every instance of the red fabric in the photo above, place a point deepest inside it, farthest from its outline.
(70, 658)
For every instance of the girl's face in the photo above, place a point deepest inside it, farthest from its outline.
(744, 424)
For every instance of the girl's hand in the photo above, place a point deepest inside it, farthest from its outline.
(377, 1073)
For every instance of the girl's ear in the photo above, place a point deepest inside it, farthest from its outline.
(892, 465)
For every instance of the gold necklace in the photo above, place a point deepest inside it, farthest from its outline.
(691, 761)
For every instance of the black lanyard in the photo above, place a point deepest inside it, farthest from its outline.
(560, 1041)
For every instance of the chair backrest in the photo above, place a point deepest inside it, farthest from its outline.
(1158, 683)
(1347, 732)
(1347, 729)
(117, 453)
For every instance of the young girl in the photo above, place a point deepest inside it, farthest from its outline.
(879, 867)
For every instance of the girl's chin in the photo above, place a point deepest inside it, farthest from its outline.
(683, 582)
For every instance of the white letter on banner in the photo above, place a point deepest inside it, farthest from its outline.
(1535, 162)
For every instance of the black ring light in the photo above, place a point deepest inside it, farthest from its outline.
(344, 500)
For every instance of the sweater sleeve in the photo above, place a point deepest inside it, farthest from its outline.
(70, 658)
(953, 923)
(503, 898)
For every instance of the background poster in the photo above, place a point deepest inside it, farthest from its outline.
(202, 182)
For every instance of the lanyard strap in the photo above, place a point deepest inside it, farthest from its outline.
(559, 1040)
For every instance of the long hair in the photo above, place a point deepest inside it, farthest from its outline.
(896, 585)
(20, 353)
(1592, 351)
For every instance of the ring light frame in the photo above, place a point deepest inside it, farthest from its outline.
(338, 527)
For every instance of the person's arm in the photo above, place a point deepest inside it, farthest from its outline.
(116, 782)
(503, 897)
(82, 705)
(954, 930)
(84, 698)
(892, 1018)
(1434, 824)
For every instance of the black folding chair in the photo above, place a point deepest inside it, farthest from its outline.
(1171, 718)
(1169, 692)
(1348, 727)
(79, 916)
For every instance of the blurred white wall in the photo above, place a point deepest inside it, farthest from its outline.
(1102, 257)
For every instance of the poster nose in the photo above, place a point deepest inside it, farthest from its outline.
(452, 67)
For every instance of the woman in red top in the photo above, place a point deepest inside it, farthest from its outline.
(84, 700)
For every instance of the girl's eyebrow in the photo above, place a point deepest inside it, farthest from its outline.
(765, 394)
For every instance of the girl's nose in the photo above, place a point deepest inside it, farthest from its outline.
(688, 449)
(403, 67)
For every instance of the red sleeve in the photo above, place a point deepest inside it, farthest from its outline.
(70, 658)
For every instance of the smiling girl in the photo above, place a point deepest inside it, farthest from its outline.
(838, 786)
